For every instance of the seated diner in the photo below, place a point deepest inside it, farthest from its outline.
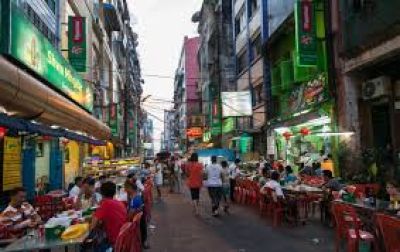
(274, 185)
(111, 214)
(87, 197)
(19, 216)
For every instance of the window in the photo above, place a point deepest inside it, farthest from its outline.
(240, 21)
(237, 26)
(257, 94)
(256, 47)
(241, 62)
(52, 5)
(253, 6)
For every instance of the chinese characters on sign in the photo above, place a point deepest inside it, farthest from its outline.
(77, 43)
(306, 43)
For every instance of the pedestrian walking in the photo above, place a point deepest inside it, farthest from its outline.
(234, 173)
(225, 185)
(194, 171)
(158, 177)
(214, 184)
(172, 177)
(178, 174)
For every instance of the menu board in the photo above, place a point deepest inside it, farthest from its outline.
(11, 163)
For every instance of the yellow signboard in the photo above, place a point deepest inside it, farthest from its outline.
(12, 163)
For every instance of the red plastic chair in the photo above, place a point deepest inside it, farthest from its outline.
(390, 230)
(275, 207)
(129, 239)
(348, 227)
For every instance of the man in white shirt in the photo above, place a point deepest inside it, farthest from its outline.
(234, 173)
(158, 177)
(274, 185)
(214, 184)
(98, 184)
(76, 190)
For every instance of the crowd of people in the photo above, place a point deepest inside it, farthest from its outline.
(114, 206)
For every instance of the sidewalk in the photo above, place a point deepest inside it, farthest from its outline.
(178, 230)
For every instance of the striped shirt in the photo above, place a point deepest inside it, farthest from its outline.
(18, 219)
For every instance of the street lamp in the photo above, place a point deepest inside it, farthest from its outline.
(145, 98)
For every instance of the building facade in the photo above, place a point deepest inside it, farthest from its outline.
(250, 23)
(187, 100)
(217, 74)
(366, 46)
(170, 131)
(61, 73)
(301, 121)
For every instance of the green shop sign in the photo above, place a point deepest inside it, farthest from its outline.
(228, 125)
(245, 144)
(26, 44)
(114, 120)
(306, 39)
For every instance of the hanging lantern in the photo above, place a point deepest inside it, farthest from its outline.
(304, 131)
(3, 132)
(46, 138)
(287, 135)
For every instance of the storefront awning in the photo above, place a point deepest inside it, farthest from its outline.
(35, 128)
(25, 96)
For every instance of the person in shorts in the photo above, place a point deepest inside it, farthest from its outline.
(158, 177)
(194, 171)
(225, 185)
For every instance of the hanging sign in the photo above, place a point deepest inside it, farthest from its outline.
(306, 39)
(194, 132)
(114, 120)
(11, 163)
(307, 94)
(77, 43)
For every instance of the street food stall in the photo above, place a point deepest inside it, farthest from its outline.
(95, 167)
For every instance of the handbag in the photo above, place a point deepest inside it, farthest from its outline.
(96, 241)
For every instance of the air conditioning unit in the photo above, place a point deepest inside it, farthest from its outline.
(376, 88)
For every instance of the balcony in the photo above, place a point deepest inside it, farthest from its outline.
(368, 23)
(112, 18)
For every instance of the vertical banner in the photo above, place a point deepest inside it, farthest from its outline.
(77, 43)
(12, 163)
(306, 41)
(114, 122)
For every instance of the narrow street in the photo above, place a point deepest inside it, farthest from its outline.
(176, 229)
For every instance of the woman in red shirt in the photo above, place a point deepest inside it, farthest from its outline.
(194, 172)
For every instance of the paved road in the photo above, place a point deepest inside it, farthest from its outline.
(178, 230)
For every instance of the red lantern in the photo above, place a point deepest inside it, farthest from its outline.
(3, 132)
(46, 138)
(304, 131)
(287, 135)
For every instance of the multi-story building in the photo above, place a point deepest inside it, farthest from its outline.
(169, 131)
(187, 100)
(132, 95)
(250, 19)
(148, 143)
(299, 102)
(216, 63)
(75, 71)
(366, 45)
(53, 108)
